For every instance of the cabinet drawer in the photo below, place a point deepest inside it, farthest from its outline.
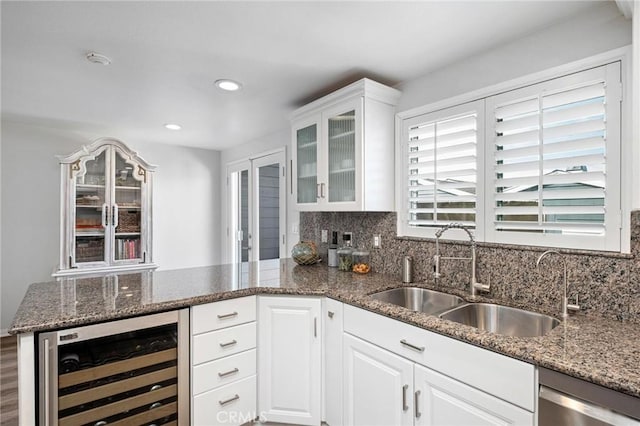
(233, 404)
(213, 374)
(229, 341)
(507, 378)
(388, 333)
(226, 313)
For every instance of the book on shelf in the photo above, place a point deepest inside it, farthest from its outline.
(127, 249)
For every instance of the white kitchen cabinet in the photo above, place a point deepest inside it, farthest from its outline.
(332, 317)
(452, 382)
(343, 150)
(105, 210)
(289, 359)
(441, 400)
(378, 385)
(223, 362)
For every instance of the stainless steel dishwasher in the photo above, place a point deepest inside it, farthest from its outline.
(567, 401)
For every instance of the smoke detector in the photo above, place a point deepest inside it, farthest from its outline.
(97, 58)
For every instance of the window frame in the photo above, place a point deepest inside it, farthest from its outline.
(443, 114)
(627, 160)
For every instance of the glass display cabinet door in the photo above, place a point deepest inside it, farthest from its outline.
(127, 209)
(91, 212)
(307, 164)
(341, 133)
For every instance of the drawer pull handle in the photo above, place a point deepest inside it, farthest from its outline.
(414, 347)
(225, 316)
(231, 343)
(236, 397)
(405, 407)
(228, 373)
(155, 387)
(155, 405)
(416, 400)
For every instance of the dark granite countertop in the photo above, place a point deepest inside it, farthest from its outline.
(599, 350)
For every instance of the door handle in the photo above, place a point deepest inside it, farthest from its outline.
(405, 407)
(225, 316)
(228, 373)
(115, 216)
(416, 399)
(322, 190)
(315, 327)
(225, 402)
(105, 215)
(414, 347)
(318, 195)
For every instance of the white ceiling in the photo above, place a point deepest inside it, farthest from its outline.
(166, 56)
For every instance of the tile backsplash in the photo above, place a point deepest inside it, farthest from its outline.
(606, 284)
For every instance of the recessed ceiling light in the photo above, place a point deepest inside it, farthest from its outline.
(171, 126)
(98, 58)
(228, 85)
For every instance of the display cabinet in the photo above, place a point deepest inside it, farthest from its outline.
(105, 210)
(343, 150)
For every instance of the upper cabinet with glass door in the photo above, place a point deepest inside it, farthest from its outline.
(343, 150)
(106, 210)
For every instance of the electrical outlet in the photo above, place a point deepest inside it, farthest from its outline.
(294, 228)
(377, 241)
(324, 236)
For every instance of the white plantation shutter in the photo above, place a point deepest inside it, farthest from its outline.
(441, 168)
(554, 148)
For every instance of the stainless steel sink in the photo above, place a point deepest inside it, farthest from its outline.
(419, 299)
(502, 319)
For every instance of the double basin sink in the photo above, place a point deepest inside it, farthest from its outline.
(494, 318)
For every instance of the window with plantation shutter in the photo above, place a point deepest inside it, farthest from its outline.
(554, 175)
(441, 168)
(537, 165)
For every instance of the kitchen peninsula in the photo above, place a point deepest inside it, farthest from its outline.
(597, 350)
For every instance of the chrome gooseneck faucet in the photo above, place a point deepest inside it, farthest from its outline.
(475, 286)
(566, 307)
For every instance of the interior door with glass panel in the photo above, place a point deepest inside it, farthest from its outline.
(91, 231)
(238, 178)
(257, 216)
(342, 128)
(268, 212)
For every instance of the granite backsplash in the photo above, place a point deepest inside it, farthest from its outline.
(606, 284)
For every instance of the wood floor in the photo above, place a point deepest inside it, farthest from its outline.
(8, 381)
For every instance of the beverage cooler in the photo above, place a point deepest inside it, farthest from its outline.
(127, 372)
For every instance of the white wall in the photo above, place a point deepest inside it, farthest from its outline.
(586, 35)
(186, 211)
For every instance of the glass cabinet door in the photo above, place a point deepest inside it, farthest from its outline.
(91, 211)
(307, 163)
(342, 157)
(127, 207)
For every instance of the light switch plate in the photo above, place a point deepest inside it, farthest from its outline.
(324, 236)
(377, 241)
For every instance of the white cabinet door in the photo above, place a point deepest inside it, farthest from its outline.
(289, 366)
(440, 400)
(341, 168)
(306, 161)
(378, 385)
(332, 314)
